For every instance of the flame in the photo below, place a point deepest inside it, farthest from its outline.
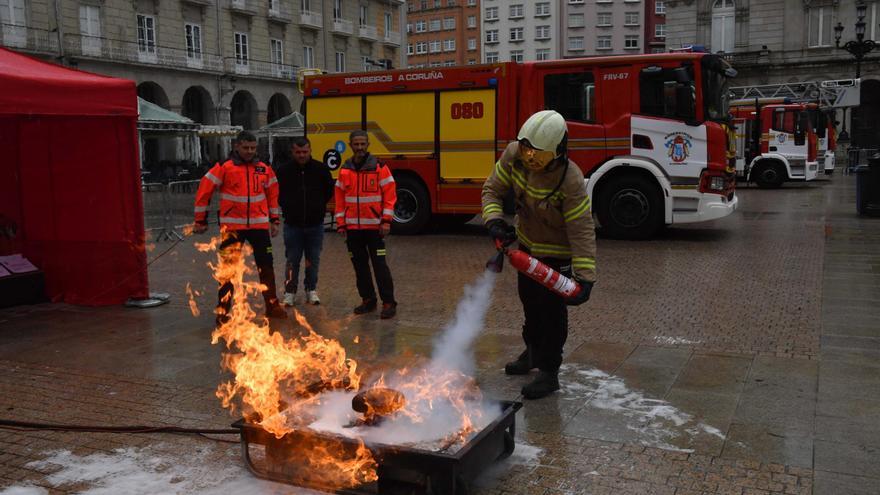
(192, 300)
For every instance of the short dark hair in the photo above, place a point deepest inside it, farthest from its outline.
(358, 133)
(245, 136)
(301, 141)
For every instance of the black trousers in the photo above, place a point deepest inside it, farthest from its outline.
(261, 243)
(365, 247)
(546, 317)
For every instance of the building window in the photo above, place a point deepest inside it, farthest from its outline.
(472, 61)
(516, 11)
(575, 20)
(421, 26)
(389, 23)
(471, 3)
(658, 50)
(820, 26)
(472, 43)
(438, 4)
(409, 49)
(660, 7)
(421, 47)
(575, 43)
(603, 19)
(516, 34)
(492, 36)
(659, 30)
(365, 62)
(491, 13)
(631, 41)
(472, 21)
(276, 52)
(449, 45)
(146, 33)
(364, 16)
(435, 46)
(574, 2)
(308, 56)
(449, 23)
(572, 95)
(241, 49)
(491, 57)
(542, 32)
(434, 25)
(340, 61)
(631, 19)
(603, 42)
(409, 28)
(449, 63)
(305, 5)
(89, 28)
(516, 55)
(337, 9)
(193, 41)
(723, 12)
(542, 54)
(542, 9)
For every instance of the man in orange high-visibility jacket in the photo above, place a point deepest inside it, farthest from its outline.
(365, 197)
(249, 212)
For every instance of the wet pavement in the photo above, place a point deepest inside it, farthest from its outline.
(737, 356)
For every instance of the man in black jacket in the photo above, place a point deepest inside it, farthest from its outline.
(305, 188)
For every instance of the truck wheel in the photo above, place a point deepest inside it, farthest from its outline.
(769, 175)
(413, 208)
(630, 207)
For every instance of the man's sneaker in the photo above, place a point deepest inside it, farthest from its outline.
(275, 311)
(289, 298)
(521, 366)
(388, 310)
(312, 297)
(366, 306)
(544, 384)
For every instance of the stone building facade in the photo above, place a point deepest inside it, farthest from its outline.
(602, 27)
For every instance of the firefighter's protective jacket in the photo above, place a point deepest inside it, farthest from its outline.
(560, 226)
(364, 196)
(248, 194)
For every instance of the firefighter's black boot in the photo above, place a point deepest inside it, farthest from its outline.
(522, 365)
(366, 306)
(543, 385)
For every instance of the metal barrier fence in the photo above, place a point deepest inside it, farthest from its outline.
(168, 207)
(859, 156)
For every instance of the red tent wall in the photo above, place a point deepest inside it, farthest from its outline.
(71, 181)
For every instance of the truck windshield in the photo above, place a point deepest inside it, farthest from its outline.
(819, 121)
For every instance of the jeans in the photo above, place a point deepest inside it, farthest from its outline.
(299, 241)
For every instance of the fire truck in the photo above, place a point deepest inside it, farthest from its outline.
(769, 151)
(650, 132)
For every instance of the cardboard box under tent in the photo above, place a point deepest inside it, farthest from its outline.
(70, 181)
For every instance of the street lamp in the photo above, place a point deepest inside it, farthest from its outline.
(858, 49)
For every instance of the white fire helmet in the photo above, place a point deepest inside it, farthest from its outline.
(540, 138)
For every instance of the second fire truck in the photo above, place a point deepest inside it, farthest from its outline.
(650, 133)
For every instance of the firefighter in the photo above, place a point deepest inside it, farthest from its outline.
(554, 224)
(365, 197)
(248, 212)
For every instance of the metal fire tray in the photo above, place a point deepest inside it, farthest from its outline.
(401, 469)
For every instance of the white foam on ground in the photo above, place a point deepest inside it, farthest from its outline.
(133, 471)
(656, 420)
(674, 340)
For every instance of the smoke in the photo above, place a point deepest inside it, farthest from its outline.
(453, 349)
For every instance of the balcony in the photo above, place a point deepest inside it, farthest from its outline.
(392, 38)
(27, 39)
(368, 33)
(76, 45)
(246, 7)
(342, 26)
(261, 68)
(201, 3)
(279, 12)
(313, 20)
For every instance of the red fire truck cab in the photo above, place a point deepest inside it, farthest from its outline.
(650, 132)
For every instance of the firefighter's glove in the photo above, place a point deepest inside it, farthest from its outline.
(582, 296)
(501, 231)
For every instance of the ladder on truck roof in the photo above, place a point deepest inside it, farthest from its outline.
(839, 93)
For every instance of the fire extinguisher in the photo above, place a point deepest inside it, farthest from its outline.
(534, 269)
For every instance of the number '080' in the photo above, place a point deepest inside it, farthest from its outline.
(467, 110)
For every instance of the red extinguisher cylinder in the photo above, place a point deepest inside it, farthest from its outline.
(543, 274)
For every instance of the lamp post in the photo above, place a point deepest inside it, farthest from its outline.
(858, 48)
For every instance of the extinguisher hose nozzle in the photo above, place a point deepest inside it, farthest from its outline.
(496, 262)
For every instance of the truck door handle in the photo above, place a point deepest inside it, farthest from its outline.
(642, 142)
(773, 148)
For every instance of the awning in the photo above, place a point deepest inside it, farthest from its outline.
(152, 117)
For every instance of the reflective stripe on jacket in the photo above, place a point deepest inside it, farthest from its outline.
(248, 194)
(560, 226)
(364, 197)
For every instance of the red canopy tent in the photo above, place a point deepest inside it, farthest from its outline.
(70, 180)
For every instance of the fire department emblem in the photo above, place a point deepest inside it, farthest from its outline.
(678, 146)
(781, 138)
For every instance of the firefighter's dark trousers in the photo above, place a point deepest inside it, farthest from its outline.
(546, 317)
(365, 247)
(230, 249)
